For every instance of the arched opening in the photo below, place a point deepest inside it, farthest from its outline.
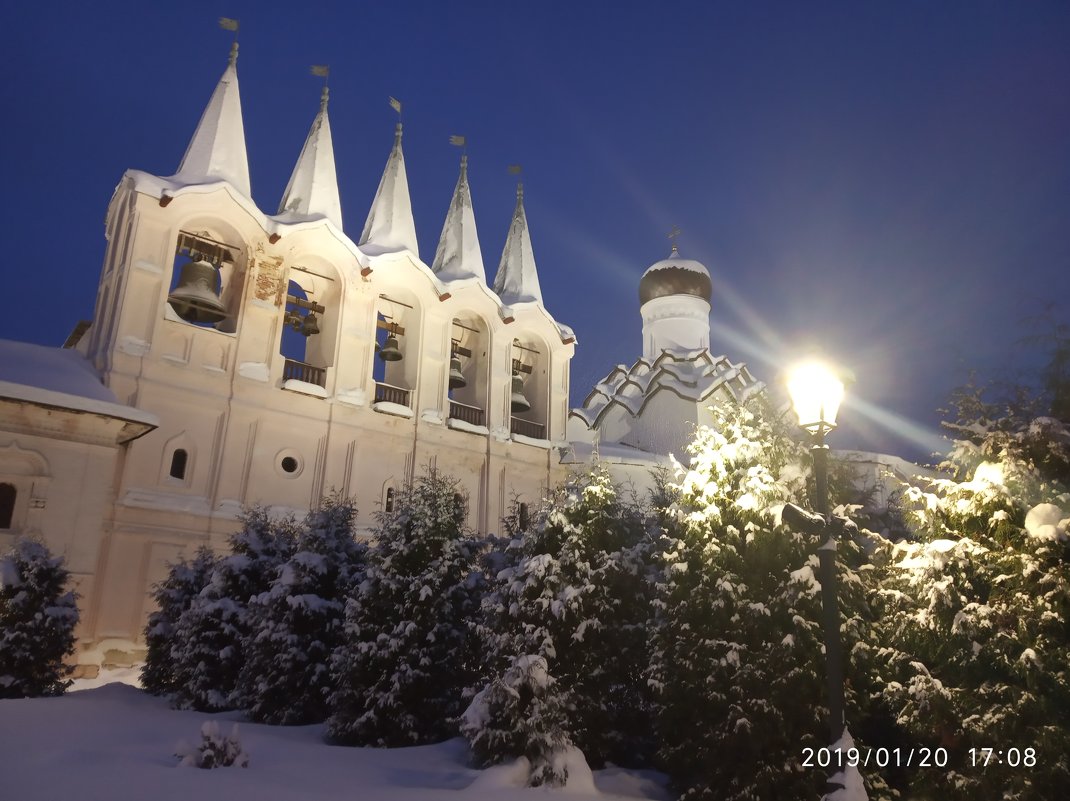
(524, 517)
(388, 500)
(310, 317)
(469, 370)
(529, 388)
(206, 281)
(179, 460)
(396, 363)
(8, 494)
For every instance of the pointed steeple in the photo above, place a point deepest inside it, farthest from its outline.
(517, 280)
(390, 224)
(217, 149)
(458, 255)
(313, 186)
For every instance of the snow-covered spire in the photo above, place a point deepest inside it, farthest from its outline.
(217, 150)
(390, 225)
(458, 255)
(517, 280)
(313, 186)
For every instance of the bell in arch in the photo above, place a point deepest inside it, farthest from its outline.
(457, 379)
(517, 402)
(195, 299)
(390, 352)
(310, 327)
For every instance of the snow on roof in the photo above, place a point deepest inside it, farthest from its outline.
(217, 149)
(517, 280)
(60, 378)
(458, 255)
(313, 186)
(390, 225)
(676, 261)
(693, 375)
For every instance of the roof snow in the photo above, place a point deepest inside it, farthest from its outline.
(517, 280)
(693, 375)
(390, 226)
(313, 186)
(458, 256)
(217, 149)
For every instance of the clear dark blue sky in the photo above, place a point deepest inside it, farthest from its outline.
(890, 181)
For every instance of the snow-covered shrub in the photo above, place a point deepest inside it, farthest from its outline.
(738, 661)
(214, 750)
(296, 623)
(173, 596)
(37, 620)
(210, 634)
(575, 591)
(974, 615)
(410, 647)
(521, 713)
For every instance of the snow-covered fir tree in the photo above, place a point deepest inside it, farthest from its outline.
(577, 595)
(173, 596)
(410, 647)
(738, 659)
(521, 713)
(38, 615)
(296, 624)
(209, 636)
(975, 608)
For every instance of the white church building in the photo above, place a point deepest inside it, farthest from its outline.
(237, 358)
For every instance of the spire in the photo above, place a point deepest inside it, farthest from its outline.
(517, 280)
(458, 255)
(217, 150)
(390, 225)
(313, 186)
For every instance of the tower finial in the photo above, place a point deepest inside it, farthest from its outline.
(324, 95)
(228, 24)
(397, 134)
(232, 60)
(516, 169)
(673, 236)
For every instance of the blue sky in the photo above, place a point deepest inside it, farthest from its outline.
(887, 181)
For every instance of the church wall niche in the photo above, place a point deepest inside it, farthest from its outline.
(468, 386)
(530, 363)
(398, 331)
(310, 320)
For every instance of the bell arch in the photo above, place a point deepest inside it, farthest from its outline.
(468, 384)
(311, 311)
(210, 263)
(529, 389)
(398, 325)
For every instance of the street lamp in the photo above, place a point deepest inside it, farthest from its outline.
(816, 392)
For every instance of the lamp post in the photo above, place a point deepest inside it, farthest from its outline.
(816, 393)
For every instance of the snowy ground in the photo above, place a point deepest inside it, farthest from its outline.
(115, 742)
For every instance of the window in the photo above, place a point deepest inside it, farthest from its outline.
(459, 506)
(179, 459)
(7, 504)
(524, 518)
(388, 505)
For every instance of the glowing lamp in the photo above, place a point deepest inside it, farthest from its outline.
(816, 392)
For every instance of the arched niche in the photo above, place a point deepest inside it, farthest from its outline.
(220, 244)
(178, 458)
(530, 371)
(398, 325)
(311, 313)
(469, 355)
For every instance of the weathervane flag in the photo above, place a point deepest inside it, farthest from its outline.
(395, 104)
(514, 169)
(459, 141)
(228, 24)
(320, 70)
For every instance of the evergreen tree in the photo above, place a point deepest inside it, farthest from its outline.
(37, 619)
(210, 634)
(173, 596)
(738, 659)
(410, 648)
(974, 613)
(577, 595)
(296, 623)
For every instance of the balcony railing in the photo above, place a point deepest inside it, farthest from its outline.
(526, 428)
(469, 414)
(388, 393)
(299, 371)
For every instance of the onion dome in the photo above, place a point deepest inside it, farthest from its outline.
(675, 276)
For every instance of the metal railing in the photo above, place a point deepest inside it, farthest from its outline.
(388, 393)
(469, 414)
(300, 371)
(526, 428)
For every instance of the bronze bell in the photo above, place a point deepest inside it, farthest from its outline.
(195, 299)
(517, 402)
(390, 352)
(310, 327)
(457, 379)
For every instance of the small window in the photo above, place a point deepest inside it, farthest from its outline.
(458, 505)
(179, 460)
(388, 505)
(7, 504)
(524, 519)
(288, 464)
